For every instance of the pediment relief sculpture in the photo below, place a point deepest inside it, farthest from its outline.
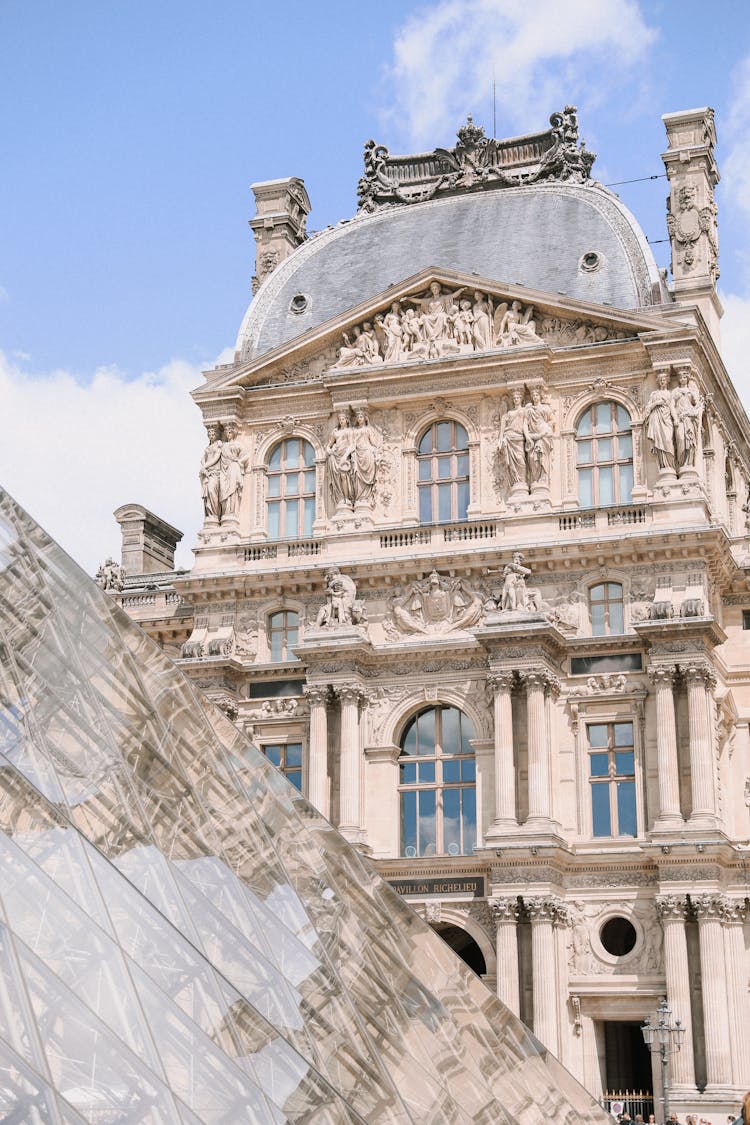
(436, 604)
(443, 322)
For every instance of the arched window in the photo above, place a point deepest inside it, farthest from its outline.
(438, 784)
(604, 455)
(290, 490)
(443, 460)
(282, 632)
(605, 609)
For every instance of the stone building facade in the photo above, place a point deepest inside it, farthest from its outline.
(474, 573)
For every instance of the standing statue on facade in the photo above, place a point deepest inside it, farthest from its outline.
(687, 410)
(660, 423)
(341, 607)
(210, 475)
(352, 457)
(512, 442)
(540, 428)
(339, 464)
(232, 474)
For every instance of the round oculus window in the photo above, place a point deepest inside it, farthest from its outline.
(591, 261)
(618, 936)
(298, 303)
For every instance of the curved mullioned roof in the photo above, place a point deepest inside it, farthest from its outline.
(537, 236)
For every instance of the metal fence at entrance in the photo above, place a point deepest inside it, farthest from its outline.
(628, 1101)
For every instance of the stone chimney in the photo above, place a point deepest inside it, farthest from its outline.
(691, 211)
(282, 207)
(148, 543)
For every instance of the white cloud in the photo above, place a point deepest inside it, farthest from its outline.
(543, 55)
(736, 164)
(4, 295)
(735, 343)
(72, 452)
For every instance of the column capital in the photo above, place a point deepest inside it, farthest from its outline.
(699, 671)
(348, 693)
(709, 906)
(671, 908)
(546, 908)
(504, 909)
(662, 675)
(315, 693)
(501, 681)
(539, 677)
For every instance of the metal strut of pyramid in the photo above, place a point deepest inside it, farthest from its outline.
(183, 938)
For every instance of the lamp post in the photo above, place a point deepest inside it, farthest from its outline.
(661, 1035)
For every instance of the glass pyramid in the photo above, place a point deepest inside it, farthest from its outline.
(182, 937)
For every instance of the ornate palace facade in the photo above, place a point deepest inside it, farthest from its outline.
(474, 574)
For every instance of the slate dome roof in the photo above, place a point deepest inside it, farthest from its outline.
(573, 239)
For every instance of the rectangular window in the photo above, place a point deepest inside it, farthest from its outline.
(287, 757)
(746, 619)
(611, 772)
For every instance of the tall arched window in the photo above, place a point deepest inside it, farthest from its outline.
(282, 633)
(604, 455)
(290, 490)
(438, 784)
(443, 460)
(605, 608)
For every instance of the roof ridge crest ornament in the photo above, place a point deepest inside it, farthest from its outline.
(476, 162)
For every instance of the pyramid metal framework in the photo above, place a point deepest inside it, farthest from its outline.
(183, 938)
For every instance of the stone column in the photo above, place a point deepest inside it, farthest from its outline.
(700, 682)
(737, 1007)
(709, 909)
(561, 926)
(350, 812)
(505, 770)
(505, 913)
(542, 913)
(667, 767)
(671, 911)
(539, 789)
(317, 769)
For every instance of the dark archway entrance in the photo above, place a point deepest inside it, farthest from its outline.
(627, 1058)
(464, 945)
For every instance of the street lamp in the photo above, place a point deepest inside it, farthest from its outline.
(661, 1035)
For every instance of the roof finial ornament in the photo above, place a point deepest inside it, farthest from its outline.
(470, 135)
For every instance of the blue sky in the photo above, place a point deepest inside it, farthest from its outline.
(132, 129)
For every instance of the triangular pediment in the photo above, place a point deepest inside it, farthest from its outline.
(435, 315)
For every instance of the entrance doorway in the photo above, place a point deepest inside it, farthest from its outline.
(627, 1060)
(464, 945)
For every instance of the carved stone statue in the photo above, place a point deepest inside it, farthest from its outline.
(232, 473)
(341, 607)
(512, 442)
(110, 576)
(517, 327)
(394, 334)
(210, 475)
(352, 459)
(435, 310)
(339, 464)
(436, 604)
(540, 428)
(660, 423)
(687, 411)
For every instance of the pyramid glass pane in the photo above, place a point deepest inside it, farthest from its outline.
(182, 937)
